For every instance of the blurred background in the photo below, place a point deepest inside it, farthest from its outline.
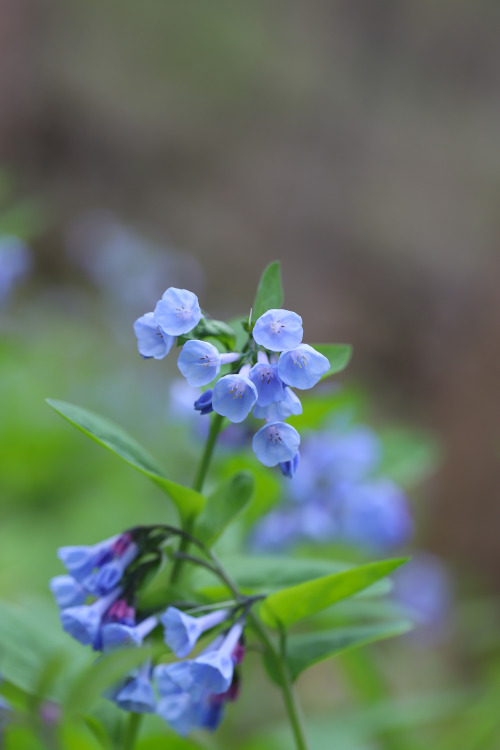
(155, 144)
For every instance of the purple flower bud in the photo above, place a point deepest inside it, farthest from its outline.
(204, 403)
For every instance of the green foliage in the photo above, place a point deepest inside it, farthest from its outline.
(409, 457)
(224, 504)
(188, 502)
(337, 354)
(208, 328)
(269, 292)
(288, 606)
(305, 649)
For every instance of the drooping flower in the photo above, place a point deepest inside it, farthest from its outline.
(276, 443)
(204, 403)
(212, 671)
(302, 367)
(183, 630)
(137, 694)
(84, 621)
(233, 397)
(200, 362)
(80, 561)
(267, 382)
(280, 410)
(67, 591)
(178, 311)
(152, 341)
(117, 635)
(109, 574)
(278, 329)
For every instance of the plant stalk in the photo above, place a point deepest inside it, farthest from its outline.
(132, 731)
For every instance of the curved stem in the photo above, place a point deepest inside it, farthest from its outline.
(131, 731)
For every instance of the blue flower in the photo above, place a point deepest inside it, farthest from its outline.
(277, 330)
(117, 635)
(233, 397)
(302, 367)
(179, 711)
(137, 695)
(67, 591)
(200, 362)
(182, 630)
(178, 311)
(204, 403)
(276, 443)
(80, 561)
(152, 341)
(288, 468)
(83, 622)
(269, 386)
(212, 671)
(280, 410)
(109, 574)
(15, 264)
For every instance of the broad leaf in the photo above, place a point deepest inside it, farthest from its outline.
(307, 649)
(269, 292)
(188, 502)
(223, 506)
(337, 354)
(211, 329)
(292, 604)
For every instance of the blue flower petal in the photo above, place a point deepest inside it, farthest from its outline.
(275, 443)
(269, 385)
(277, 330)
(199, 362)
(151, 340)
(302, 367)
(178, 311)
(233, 397)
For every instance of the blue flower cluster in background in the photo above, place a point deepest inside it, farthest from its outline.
(338, 497)
(186, 694)
(272, 362)
(15, 264)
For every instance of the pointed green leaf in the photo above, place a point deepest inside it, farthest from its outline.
(269, 292)
(223, 505)
(337, 354)
(306, 649)
(292, 604)
(188, 502)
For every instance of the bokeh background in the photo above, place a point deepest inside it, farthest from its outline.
(151, 144)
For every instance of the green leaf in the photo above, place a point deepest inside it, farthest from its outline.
(223, 506)
(306, 649)
(269, 292)
(292, 604)
(188, 502)
(337, 354)
(408, 457)
(208, 328)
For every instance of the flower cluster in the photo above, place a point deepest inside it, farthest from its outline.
(187, 694)
(338, 497)
(272, 362)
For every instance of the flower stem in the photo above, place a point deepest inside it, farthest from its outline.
(132, 731)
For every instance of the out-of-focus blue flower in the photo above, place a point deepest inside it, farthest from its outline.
(212, 671)
(83, 622)
(116, 635)
(67, 591)
(200, 362)
(178, 311)
(80, 561)
(302, 367)
(204, 403)
(15, 264)
(5, 710)
(182, 630)
(269, 386)
(109, 574)
(374, 514)
(276, 443)
(137, 694)
(277, 330)
(277, 530)
(152, 341)
(233, 397)
(288, 468)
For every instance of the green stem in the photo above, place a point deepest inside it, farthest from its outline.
(289, 696)
(198, 482)
(131, 731)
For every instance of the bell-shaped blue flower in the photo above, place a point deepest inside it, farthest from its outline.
(117, 635)
(277, 330)
(288, 468)
(180, 711)
(269, 385)
(67, 591)
(302, 367)
(109, 574)
(137, 695)
(276, 443)
(212, 671)
(233, 397)
(80, 561)
(178, 311)
(83, 622)
(182, 630)
(200, 362)
(151, 340)
(279, 410)
(204, 403)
